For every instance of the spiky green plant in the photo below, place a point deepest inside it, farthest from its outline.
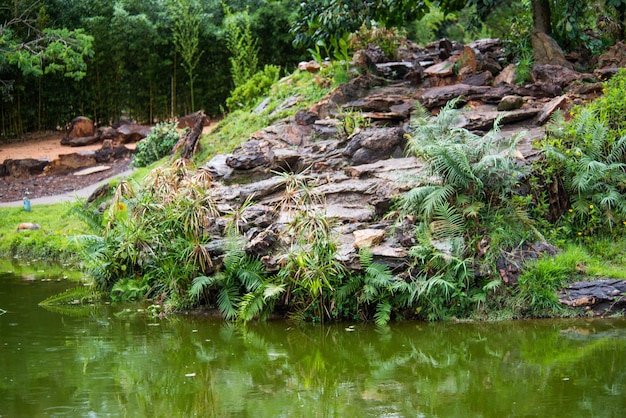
(310, 266)
(155, 233)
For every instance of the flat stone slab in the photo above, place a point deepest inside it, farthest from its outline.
(91, 170)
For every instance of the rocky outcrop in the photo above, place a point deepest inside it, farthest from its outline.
(372, 145)
(600, 297)
(356, 175)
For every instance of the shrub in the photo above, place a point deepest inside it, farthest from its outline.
(246, 95)
(156, 145)
(588, 153)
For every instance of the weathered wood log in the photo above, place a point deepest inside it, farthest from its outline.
(189, 142)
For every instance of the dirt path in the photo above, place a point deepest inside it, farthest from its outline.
(41, 146)
(50, 188)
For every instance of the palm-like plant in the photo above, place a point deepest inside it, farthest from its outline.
(241, 290)
(375, 287)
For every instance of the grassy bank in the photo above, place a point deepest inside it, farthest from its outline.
(51, 242)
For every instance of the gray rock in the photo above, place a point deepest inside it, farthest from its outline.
(511, 102)
(374, 144)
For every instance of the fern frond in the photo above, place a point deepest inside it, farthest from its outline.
(227, 301)
(451, 163)
(272, 291)
(198, 285)
(412, 201)
(383, 313)
(448, 222)
(618, 150)
(251, 273)
(350, 287)
(365, 257)
(378, 275)
(407, 292)
(438, 283)
(250, 306)
(70, 296)
(370, 292)
(492, 285)
(436, 199)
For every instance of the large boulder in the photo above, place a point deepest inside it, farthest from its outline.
(80, 127)
(25, 167)
(67, 163)
(547, 51)
(110, 153)
(130, 133)
(375, 144)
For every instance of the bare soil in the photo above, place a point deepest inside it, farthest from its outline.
(47, 145)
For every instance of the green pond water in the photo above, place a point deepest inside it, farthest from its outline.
(113, 361)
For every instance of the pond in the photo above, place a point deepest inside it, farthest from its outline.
(117, 361)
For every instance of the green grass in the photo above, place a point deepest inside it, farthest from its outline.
(237, 126)
(50, 242)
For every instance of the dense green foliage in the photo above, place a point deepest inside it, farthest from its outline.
(254, 87)
(568, 21)
(156, 59)
(475, 200)
(242, 45)
(321, 20)
(156, 145)
(589, 152)
(143, 65)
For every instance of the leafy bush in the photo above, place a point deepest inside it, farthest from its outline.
(470, 181)
(239, 124)
(246, 95)
(588, 153)
(156, 233)
(156, 145)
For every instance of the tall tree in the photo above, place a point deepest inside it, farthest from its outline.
(541, 16)
(244, 61)
(29, 50)
(186, 31)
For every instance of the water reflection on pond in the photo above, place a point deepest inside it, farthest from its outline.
(116, 362)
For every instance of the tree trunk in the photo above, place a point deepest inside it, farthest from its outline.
(541, 16)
